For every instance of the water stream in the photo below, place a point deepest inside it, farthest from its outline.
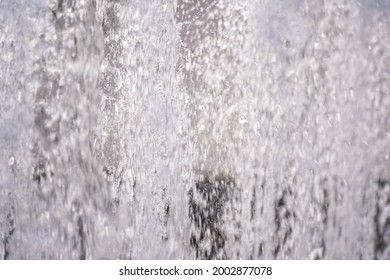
(194, 129)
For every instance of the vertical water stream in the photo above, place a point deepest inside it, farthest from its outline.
(207, 129)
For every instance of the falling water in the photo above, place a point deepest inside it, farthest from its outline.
(208, 129)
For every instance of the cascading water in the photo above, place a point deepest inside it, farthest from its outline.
(208, 129)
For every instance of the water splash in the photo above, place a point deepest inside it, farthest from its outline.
(194, 129)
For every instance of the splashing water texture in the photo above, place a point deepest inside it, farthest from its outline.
(194, 129)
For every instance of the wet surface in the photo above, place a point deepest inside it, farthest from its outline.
(194, 129)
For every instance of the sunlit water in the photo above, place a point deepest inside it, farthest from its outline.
(194, 129)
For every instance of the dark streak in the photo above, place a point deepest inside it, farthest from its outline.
(206, 216)
(325, 207)
(283, 231)
(261, 250)
(382, 183)
(382, 231)
(39, 172)
(276, 251)
(11, 223)
(81, 233)
(253, 203)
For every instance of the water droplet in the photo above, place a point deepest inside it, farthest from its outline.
(11, 161)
